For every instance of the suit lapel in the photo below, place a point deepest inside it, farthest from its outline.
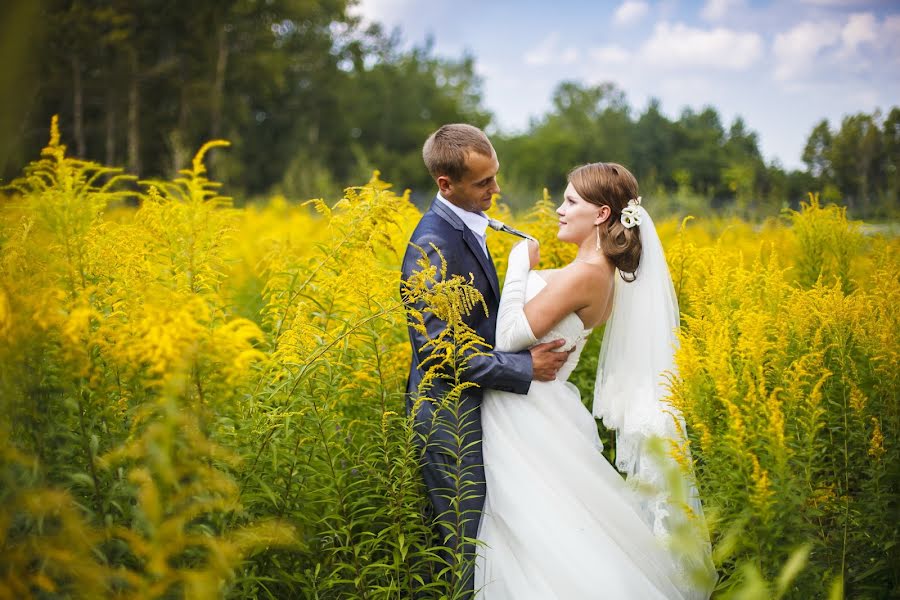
(487, 265)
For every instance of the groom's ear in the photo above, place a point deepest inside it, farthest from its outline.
(444, 183)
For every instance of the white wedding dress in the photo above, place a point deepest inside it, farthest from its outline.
(559, 521)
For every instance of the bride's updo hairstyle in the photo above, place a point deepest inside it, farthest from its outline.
(612, 185)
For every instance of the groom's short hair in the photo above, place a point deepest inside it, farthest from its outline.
(446, 149)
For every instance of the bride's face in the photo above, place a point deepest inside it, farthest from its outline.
(578, 217)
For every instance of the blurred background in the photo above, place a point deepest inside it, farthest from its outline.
(728, 105)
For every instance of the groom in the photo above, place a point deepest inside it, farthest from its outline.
(464, 165)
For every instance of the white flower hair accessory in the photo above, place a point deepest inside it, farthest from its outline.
(631, 216)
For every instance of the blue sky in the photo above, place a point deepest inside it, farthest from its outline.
(782, 66)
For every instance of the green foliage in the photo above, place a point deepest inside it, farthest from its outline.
(310, 98)
(859, 163)
(204, 401)
(828, 243)
(788, 389)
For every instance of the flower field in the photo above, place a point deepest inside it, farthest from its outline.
(202, 401)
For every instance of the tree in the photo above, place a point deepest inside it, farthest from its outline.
(816, 153)
(891, 166)
(19, 32)
(587, 124)
(855, 156)
(390, 101)
(654, 147)
(744, 167)
(699, 138)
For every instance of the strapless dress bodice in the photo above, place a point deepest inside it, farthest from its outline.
(571, 328)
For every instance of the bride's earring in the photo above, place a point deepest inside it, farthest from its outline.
(598, 238)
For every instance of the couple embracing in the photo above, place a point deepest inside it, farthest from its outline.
(552, 518)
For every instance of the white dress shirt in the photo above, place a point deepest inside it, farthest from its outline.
(476, 222)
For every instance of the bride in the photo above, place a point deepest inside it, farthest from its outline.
(559, 521)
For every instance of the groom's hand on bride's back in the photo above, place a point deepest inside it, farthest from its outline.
(546, 360)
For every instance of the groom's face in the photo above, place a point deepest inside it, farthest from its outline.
(474, 190)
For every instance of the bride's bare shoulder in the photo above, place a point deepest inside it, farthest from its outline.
(546, 274)
(578, 277)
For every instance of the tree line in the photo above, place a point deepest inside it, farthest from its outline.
(309, 97)
(695, 161)
(313, 100)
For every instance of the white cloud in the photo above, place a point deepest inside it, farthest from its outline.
(630, 12)
(549, 52)
(380, 11)
(681, 46)
(609, 55)
(568, 56)
(796, 49)
(860, 28)
(811, 49)
(716, 10)
(892, 25)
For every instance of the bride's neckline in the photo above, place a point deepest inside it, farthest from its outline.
(580, 320)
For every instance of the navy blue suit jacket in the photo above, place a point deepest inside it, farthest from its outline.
(498, 370)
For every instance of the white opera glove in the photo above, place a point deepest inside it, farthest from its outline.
(513, 330)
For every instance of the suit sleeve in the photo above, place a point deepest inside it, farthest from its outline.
(506, 371)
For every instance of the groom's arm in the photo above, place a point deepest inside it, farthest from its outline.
(506, 371)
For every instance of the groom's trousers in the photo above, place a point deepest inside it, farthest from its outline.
(456, 489)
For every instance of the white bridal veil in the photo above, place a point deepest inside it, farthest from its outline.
(637, 354)
(636, 358)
